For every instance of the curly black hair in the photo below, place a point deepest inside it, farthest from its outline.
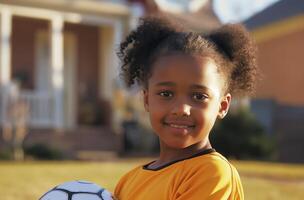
(230, 46)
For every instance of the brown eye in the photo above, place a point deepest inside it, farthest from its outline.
(165, 94)
(199, 96)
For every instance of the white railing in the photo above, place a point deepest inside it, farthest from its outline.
(40, 107)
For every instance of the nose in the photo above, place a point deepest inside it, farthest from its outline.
(181, 109)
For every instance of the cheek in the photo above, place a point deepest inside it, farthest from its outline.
(206, 117)
(156, 122)
(157, 113)
(157, 105)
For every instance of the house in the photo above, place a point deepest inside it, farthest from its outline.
(58, 57)
(279, 102)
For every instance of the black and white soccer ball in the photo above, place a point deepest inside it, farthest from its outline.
(77, 190)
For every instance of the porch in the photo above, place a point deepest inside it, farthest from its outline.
(59, 64)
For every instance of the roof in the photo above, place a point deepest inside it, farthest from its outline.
(92, 7)
(279, 11)
(203, 20)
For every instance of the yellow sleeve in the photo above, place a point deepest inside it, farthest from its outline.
(119, 185)
(118, 188)
(214, 182)
(238, 193)
(122, 182)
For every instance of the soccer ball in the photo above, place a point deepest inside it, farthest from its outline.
(77, 190)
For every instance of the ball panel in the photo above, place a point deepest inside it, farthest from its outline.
(106, 195)
(77, 190)
(80, 186)
(86, 197)
(55, 194)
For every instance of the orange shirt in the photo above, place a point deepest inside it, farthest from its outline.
(205, 176)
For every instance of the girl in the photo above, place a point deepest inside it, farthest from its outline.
(188, 80)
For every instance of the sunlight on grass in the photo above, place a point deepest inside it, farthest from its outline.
(255, 188)
(29, 180)
(277, 170)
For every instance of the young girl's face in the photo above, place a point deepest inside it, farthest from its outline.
(184, 97)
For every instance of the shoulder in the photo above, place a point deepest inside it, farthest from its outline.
(210, 169)
(213, 164)
(130, 173)
(209, 174)
(126, 178)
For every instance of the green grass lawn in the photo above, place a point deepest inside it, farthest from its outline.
(29, 180)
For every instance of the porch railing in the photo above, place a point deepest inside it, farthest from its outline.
(40, 106)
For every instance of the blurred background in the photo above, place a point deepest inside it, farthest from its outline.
(62, 99)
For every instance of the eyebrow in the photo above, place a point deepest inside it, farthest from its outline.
(166, 83)
(204, 88)
(194, 86)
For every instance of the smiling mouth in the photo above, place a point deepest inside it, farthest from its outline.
(179, 126)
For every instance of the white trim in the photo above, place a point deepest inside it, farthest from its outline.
(105, 61)
(89, 6)
(57, 51)
(5, 45)
(70, 80)
(94, 20)
(111, 36)
(57, 67)
(39, 13)
(118, 36)
(72, 17)
(42, 61)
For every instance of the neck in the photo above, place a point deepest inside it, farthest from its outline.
(168, 154)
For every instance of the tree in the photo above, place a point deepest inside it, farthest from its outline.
(240, 136)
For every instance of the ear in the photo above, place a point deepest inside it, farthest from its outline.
(146, 99)
(224, 106)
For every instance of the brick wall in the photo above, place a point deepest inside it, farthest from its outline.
(23, 49)
(281, 62)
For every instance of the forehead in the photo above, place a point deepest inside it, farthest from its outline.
(182, 66)
(186, 70)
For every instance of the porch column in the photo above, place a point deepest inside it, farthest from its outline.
(5, 57)
(110, 38)
(5, 45)
(118, 34)
(57, 68)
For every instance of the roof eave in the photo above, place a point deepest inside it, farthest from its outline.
(92, 7)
